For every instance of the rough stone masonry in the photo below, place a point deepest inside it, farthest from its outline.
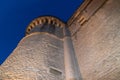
(95, 33)
(95, 29)
(45, 53)
(39, 55)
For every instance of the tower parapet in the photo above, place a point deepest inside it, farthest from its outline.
(47, 24)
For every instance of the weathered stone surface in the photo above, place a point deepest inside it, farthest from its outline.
(33, 59)
(97, 43)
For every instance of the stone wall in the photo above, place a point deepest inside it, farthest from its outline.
(97, 43)
(39, 56)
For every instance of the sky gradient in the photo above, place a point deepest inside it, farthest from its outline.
(15, 15)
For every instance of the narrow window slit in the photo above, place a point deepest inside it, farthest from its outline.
(55, 71)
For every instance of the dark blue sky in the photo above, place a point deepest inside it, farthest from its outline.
(15, 15)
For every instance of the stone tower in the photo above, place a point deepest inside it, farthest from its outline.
(47, 53)
(41, 54)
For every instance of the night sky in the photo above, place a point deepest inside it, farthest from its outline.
(15, 15)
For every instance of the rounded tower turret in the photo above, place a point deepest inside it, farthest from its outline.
(39, 55)
(47, 24)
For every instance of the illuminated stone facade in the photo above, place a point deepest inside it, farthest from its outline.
(39, 55)
(48, 54)
(45, 53)
(95, 29)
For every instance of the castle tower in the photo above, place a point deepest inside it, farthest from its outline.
(39, 55)
(45, 53)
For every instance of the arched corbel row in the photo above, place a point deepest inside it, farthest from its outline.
(45, 20)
